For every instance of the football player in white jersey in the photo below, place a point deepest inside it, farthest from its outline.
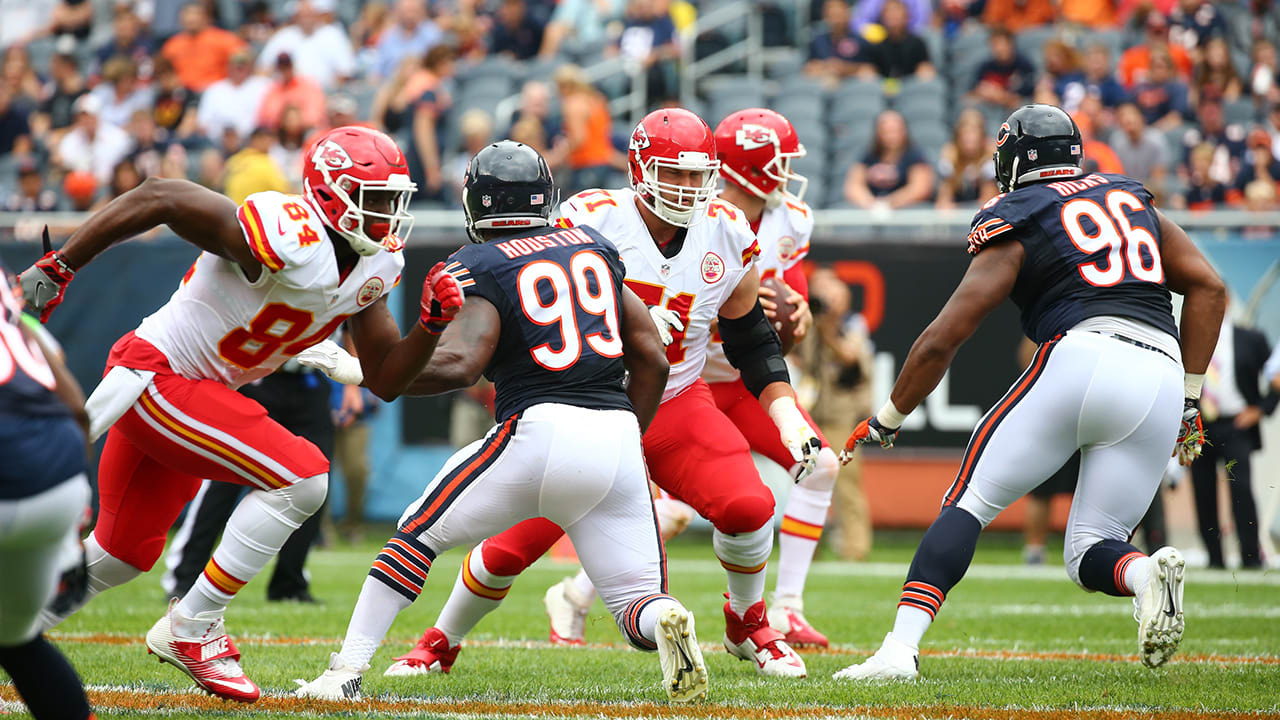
(691, 256)
(277, 275)
(755, 148)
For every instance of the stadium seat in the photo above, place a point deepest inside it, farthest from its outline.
(786, 67)
(922, 107)
(801, 88)
(1239, 112)
(1174, 139)
(929, 137)
(738, 90)
(1030, 42)
(798, 109)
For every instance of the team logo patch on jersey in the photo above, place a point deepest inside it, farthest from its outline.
(372, 290)
(786, 248)
(712, 268)
(753, 137)
(331, 156)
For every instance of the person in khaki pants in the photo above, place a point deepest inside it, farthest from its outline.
(836, 358)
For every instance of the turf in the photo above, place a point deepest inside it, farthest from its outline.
(1010, 642)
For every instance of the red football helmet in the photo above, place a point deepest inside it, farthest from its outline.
(344, 164)
(680, 140)
(755, 148)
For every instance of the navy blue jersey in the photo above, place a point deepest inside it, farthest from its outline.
(1092, 248)
(559, 295)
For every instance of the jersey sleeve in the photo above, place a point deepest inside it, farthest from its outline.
(992, 224)
(795, 247)
(733, 223)
(283, 234)
(467, 266)
(580, 209)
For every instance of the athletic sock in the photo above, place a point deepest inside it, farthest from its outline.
(744, 557)
(476, 593)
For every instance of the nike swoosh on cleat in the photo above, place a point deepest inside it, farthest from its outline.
(242, 684)
(684, 657)
(1171, 611)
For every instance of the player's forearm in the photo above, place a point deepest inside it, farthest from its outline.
(447, 371)
(1203, 307)
(391, 376)
(645, 388)
(773, 391)
(927, 362)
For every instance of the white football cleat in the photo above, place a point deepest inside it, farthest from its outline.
(786, 615)
(567, 612)
(895, 660)
(684, 674)
(750, 638)
(339, 682)
(1159, 609)
(201, 648)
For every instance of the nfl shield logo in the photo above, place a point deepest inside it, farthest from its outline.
(1032, 154)
(486, 201)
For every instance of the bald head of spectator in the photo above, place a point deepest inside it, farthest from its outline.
(343, 110)
(535, 99)
(194, 18)
(410, 13)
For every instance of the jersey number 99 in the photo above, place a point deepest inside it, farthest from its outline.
(1123, 242)
(570, 292)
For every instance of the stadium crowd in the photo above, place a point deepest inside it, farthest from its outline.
(96, 95)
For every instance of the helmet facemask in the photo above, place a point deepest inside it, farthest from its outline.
(679, 205)
(369, 231)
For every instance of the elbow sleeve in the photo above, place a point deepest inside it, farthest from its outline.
(753, 348)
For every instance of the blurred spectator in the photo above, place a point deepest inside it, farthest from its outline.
(71, 17)
(1063, 67)
(200, 52)
(1141, 149)
(1017, 15)
(514, 34)
(583, 20)
(80, 189)
(835, 51)
(415, 102)
(15, 131)
(585, 123)
(290, 142)
(1216, 77)
(124, 177)
(918, 15)
(1227, 141)
(1272, 126)
(1135, 63)
(343, 110)
(367, 29)
(17, 73)
(321, 51)
(1099, 14)
(1259, 163)
(31, 194)
(1193, 22)
(535, 107)
(967, 175)
(174, 162)
(175, 108)
(1260, 196)
(476, 128)
(900, 53)
(259, 23)
(66, 85)
(1005, 79)
(253, 170)
(91, 145)
(649, 38)
(120, 92)
(1204, 191)
(1161, 96)
(21, 22)
(529, 131)
(1097, 79)
(291, 90)
(129, 40)
(233, 103)
(893, 173)
(411, 34)
(1263, 77)
(148, 150)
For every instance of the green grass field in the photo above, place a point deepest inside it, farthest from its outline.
(1011, 642)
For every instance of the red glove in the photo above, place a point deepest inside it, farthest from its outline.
(44, 283)
(441, 300)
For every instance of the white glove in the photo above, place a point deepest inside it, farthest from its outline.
(796, 434)
(329, 358)
(665, 320)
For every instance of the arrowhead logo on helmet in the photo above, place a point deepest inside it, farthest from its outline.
(753, 137)
(639, 138)
(331, 156)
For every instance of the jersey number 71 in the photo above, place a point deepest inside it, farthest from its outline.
(568, 295)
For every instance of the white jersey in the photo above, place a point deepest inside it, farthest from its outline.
(717, 253)
(784, 241)
(219, 326)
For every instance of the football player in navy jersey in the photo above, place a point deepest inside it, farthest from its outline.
(548, 320)
(1090, 262)
(44, 496)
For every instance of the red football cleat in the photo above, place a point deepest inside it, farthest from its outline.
(431, 654)
(750, 638)
(211, 659)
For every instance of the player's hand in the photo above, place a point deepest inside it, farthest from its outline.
(796, 435)
(802, 317)
(44, 283)
(1190, 433)
(329, 358)
(441, 300)
(665, 320)
(869, 430)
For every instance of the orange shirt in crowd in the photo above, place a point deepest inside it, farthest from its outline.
(1100, 154)
(1135, 63)
(300, 91)
(1018, 14)
(596, 147)
(201, 59)
(1094, 13)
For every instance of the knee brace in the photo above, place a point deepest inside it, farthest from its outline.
(823, 477)
(746, 549)
(292, 505)
(745, 512)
